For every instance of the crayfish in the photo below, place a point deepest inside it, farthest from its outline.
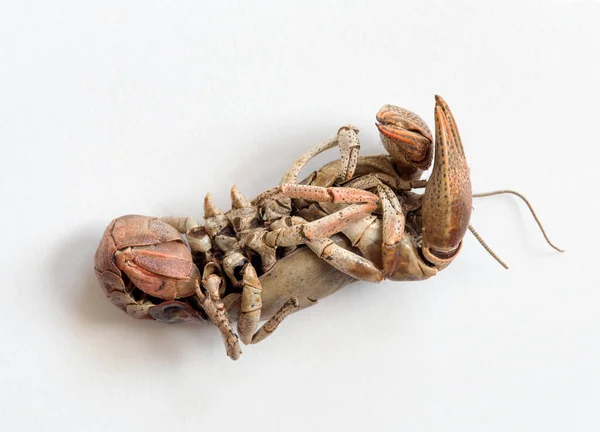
(356, 218)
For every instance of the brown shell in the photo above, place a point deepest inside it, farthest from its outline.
(150, 253)
(447, 202)
(135, 230)
(405, 136)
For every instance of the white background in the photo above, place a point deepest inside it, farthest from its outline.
(109, 108)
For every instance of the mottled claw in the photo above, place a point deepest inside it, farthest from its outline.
(405, 136)
(447, 200)
(150, 253)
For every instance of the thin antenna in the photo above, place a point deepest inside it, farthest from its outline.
(486, 247)
(507, 191)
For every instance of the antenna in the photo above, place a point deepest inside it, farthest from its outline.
(512, 192)
(486, 247)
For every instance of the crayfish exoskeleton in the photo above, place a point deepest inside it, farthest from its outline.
(357, 218)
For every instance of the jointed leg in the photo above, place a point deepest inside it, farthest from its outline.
(251, 304)
(346, 139)
(328, 225)
(250, 310)
(271, 325)
(319, 229)
(325, 248)
(392, 228)
(327, 194)
(349, 148)
(213, 306)
(393, 222)
(345, 261)
(315, 234)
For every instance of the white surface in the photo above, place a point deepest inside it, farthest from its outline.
(143, 107)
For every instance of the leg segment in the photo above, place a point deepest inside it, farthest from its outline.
(346, 139)
(329, 194)
(346, 261)
(392, 228)
(251, 305)
(214, 308)
(251, 309)
(319, 229)
(270, 326)
(349, 148)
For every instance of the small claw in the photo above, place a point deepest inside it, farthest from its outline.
(448, 198)
(349, 147)
(405, 136)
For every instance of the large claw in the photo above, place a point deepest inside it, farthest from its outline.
(406, 138)
(447, 200)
